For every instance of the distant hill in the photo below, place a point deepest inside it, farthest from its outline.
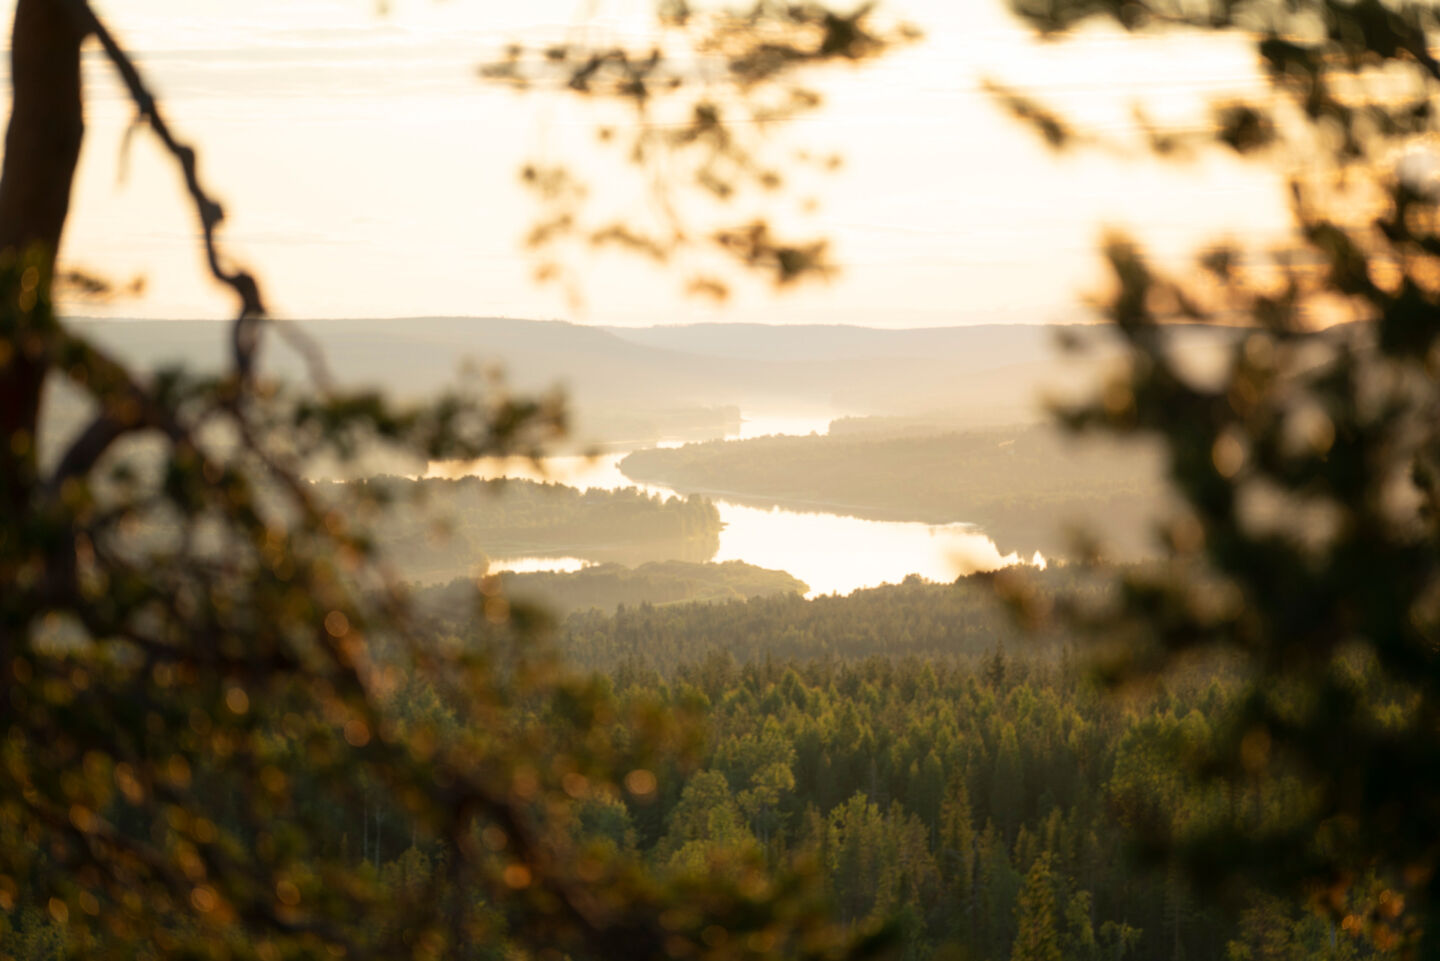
(638, 385)
(622, 392)
(972, 347)
(1024, 487)
(411, 355)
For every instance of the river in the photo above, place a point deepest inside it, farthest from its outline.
(829, 552)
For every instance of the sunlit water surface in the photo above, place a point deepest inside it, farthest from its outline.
(530, 565)
(830, 553)
(835, 554)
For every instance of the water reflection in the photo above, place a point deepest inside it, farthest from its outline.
(836, 554)
(832, 554)
(572, 470)
(603, 470)
(760, 425)
(531, 565)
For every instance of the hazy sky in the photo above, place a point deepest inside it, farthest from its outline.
(367, 170)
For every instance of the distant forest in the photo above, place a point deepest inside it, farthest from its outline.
(1022, 486)
(645, 384)
(934, 769)
(958, 622)
(941, 767)
(982, 805)
(605, 587)
(434, 530)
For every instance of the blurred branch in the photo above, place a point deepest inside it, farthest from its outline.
(705, 95)
(207, 209)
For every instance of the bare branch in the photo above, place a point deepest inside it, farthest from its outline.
(309, 351)
(209, 210)
(126, 407)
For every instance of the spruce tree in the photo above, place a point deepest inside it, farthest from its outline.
(1038, 934)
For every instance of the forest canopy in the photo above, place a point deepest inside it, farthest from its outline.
(185, 714)
(231, 730)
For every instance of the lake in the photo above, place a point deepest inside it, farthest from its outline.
(829, 552)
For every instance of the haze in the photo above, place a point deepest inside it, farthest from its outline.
(369, 172)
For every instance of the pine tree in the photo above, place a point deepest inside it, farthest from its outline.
(856, 856)
(996, 892)
(1080, 943)
(1038, 937)
(1007, 787)
(957, 854)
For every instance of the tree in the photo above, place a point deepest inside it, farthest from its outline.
(1038, 936)
(707, 822)
(205, 661)
(761, 802)
(857, 850)
(998, 884)
(1305, 553)
(957, 854)
(1080, 943)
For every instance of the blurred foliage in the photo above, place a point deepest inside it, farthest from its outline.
(208, 667)
(702, 98)
(980, 797)
(1307, 544)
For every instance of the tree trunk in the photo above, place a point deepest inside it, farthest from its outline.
(42, 147)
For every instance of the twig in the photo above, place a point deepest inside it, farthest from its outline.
(309, 351)
(247, 290)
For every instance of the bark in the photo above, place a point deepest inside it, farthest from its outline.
(42, 147)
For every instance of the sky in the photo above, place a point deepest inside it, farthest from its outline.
(368, 171)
